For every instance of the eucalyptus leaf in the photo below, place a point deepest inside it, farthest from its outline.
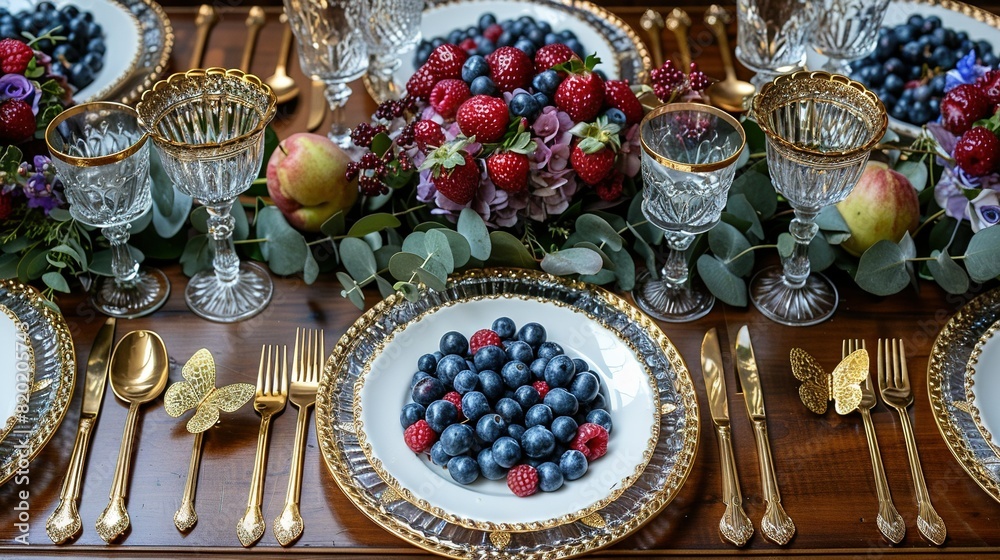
(384, 287)
(756, 141)
(786, 245)
(53, 260)
(721, 281)
(440, 250)
(374, 240)
(404, 265)
(81, 261)
(32, 265)
(726, 242)
(597, 230)
(197, 256)
(100, 264)
(427, 226)
(651, 234)
(56, 281)
(410, 291)
(373, 222)
(334, 225)
(740, 207)
(373, 203)
(241, 227)
(310, 269)
(508, 250)
(605, 259)
(835, 238)
(473, 229)
(575, 260)
(60, 215)
(141, 223)
(384, 253)
(285, 249)
(161, 188)
(821, 254)
(351, 290)
(461, 252)
(882, 269)
(646, 252)
(830, 219)
(948, 274)
(168, 223)
(982, 257)
(357, 257)
(414, 243)
(916, 172)
(8, 265)
(604, 276)
(624, 268)
(17, 244)
(755, 184)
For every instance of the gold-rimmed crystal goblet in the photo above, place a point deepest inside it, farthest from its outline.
(333, 50)
(101, 155)
(847, 31)
(208, 127)
(689, 155)
(820, 129)
(392, 28)
(772, 36)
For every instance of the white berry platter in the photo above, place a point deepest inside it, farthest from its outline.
(647, 388)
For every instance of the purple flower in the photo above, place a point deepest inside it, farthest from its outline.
(965, 72)
(550, 123)
(16, 86)
(629, 159)
(984, 210)
(41, 194)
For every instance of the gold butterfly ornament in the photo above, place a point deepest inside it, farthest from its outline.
(198, 391)
(818, 388)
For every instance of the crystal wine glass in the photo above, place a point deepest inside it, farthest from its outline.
(771, 36)
(820, 129)
(688, 164)
(100, 153)
(332, 49)
(847, 31)
(392, 28)
(208, 126)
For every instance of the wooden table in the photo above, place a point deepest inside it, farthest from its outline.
(822, 461)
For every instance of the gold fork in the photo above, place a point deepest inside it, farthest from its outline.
(307, 362)
(272, 393)
(889, 522)
(894, 384)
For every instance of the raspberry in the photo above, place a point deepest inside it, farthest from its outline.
(17, 122)
(977, 151)
(468, 44)
(419, 437)
(448, 95)
(522, 480)
(446, 61)
(14, 56)
(610, 188)
(542, 388)
(454, 398)
(364, 133)
(428, 133)
(493, 32)
(962, 106)
(484, 337)
(591, 440)
(421, 83)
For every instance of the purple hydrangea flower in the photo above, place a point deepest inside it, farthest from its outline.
(984, 210)
(965, 72)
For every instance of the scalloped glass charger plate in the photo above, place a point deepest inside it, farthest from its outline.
(648, 389)
(623, 54)
(965, 342)
(982, 386)
(37, 374)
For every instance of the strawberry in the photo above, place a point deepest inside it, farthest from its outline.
(989, 84)
(17, 121)
(484, 117)
(427, 133)
(508, 170)
(14, 56)
(446, 61)
(421, 83)
(618, 94)
(977, 151)
(553, 55)
(454, 172)
(581, 94)
(593, 157)
(447, 95)
(510, 68)
(592, 166)
(493, 32)
(962, 106)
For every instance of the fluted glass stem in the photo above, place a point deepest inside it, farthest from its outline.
(675, 270)
(220, 231)
(337, 94)
(803, 228)
(123, 265)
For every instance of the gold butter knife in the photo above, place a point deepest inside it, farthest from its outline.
(204, 22)
(776, 524)
(735, 526)
(64, 523)
(317, 105)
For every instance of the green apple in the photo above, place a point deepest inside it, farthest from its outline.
(306, 178)
(883, 205)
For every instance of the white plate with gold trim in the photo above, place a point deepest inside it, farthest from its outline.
(982, 386)
(17, 368)
(650, 394)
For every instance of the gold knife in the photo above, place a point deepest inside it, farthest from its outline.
(776, 525)
(64, 522)
(735, 526)
(317, 105)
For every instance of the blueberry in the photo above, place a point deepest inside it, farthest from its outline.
(526, 46)
(922, 93)
(490, 357)
(532, 333)
(937, 84)
(472, 32)
(510, 411)
(990, 60)
(943, 57)
(80, 75)
(581, 365)
(601, 418)
(887, 44)
(871, 76)
(550, 477)
(559, 371)
(536, 36)
(92, 30)
(894, 84)
(8, 31)
(457, 439)
(893, 66)
(455, 37)
(577, 47)
(598, 403)
(545, 26)
(920, 113)
(520, 351)
(551, 39)
(935, 106)
(410, 414)
(490, 427)
(585, 387)
(421, 55)
(504, 327)
(915, 20)
(441, 414)
(506, 38)
(538, 442)
(573, 464)
(911, 53)
(615, 116)
(537, 368)
(930, 24)
(488, 466)
(549, 350)
(466, 381)
(474, 67)
(527, 396)
(485, 47)
(542, 99)
(427, 390)
(905, 33)
(450, 366)
(491, 384)
(454, 342)
(483, 85)
(506, 452)
(564, 429)
(475, 405)
(437, 42)
(516, 431)
(438, 455)
(901, 111)
(472, 366)
(562, 402)
(524, 105)
(65, 52)
(487, 20)
(566, 35)
(516, 374)
(70, 11)
(417, 377)
(538, 415)
(516, 29)
(463, 469)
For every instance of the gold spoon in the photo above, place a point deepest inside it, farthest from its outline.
(281, 83)
(138, 374)
(652, 22)
(679, 22)
(204, 22)
(732, 93)
(255, 21)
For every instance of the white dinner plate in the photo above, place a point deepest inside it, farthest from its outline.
(17, 368)
(983, 386)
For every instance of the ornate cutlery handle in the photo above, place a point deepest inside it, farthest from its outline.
(285, 49)
(652, 22)
(65, 522)
(255, 21)
(115, 520)
(679, 22)
(929, 523)
(251, 527)
(890, 523)
(288, 525)
(776, 524)
(716, 18)
(735, 526)
(206, 20)
(185, 517)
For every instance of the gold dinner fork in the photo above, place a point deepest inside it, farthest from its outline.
(272, 393)
(307, 362)
(894, 384)
(889, 522)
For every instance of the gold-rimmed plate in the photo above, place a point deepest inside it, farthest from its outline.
(947, 389)
(157, 38)
(650, 393)
(982, 386)
(51, 388)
